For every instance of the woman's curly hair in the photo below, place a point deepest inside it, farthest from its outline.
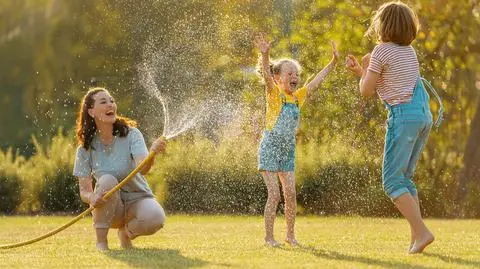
(85, 124)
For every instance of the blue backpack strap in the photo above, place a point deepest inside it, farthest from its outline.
(439, 100)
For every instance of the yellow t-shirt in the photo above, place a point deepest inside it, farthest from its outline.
(274, 103)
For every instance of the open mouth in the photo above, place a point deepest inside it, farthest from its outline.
(110, 113)
(293, 85)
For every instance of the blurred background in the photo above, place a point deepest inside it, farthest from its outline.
(203, 59)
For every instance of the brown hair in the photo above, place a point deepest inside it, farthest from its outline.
(86, 128)
(394, 22)
(276, 66)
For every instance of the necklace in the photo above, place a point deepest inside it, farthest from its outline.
(107, 148)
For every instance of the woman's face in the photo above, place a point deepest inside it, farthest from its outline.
(289, 77)
(104, 108)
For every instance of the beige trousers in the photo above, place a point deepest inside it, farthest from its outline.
(143, 217)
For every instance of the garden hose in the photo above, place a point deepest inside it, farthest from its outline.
(107, 195)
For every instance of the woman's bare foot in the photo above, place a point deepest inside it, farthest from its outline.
(102, 241)
(125, 241)
(292, 242)
(271, 243)
(102, 246)
(422, 243)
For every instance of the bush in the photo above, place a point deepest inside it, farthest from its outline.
(219, 192)
(52, 188)
(202, 177)
(345, 189)
(10, 182)
(10, 190)
(199, 176)
(60, 192)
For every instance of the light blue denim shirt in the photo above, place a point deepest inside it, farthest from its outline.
(117, 159)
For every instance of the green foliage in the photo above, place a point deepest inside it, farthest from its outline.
(218, 192)
(343, 189)
(49, 184)
(60, 192)
(203, 177)
(447, 49)
(10, 189)
(199, 176)
(10, 183)
(51, 50)
(334, 179)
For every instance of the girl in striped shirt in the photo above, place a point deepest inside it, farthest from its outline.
(392, 71)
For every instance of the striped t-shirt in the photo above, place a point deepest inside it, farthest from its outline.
(398, 69)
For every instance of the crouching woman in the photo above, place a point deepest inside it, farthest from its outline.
(110, 147)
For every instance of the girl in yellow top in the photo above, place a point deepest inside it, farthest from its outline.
(276, 154)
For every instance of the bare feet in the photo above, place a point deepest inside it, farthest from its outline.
(422, 243)
(271, 243)
(102, 246)
(292, 242)
(125, 241)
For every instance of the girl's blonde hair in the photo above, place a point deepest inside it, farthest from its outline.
(275, 66)
(394, 22)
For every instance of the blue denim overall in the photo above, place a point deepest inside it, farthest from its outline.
(408, 127)
(277, 147)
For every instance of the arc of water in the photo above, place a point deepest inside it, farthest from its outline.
(150, 84)
(169, 131)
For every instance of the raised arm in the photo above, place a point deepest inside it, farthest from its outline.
(368, 79)
(320, 77)
(264, 46)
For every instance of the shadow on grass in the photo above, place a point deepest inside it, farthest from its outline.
(333, 255)
(154, 258)
(450, 260)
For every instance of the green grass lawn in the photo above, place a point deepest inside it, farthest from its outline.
(237, 242)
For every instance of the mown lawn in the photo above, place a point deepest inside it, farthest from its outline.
(237, 242)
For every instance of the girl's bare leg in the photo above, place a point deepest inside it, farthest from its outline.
(409, 208)
(288, 182)
(273, 199)
(412, 239)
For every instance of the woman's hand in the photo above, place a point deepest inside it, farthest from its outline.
(96, 200)
(159, 145)
(353, 66)
(262, 43)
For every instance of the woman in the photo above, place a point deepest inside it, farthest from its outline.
(110, 147)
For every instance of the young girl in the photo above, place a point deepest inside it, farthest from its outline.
(276, 155)
(110, 147)
(392, 70)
